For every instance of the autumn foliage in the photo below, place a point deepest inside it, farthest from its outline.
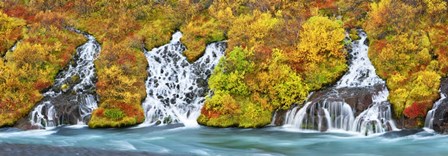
(253, 81)
(408, 49)
(32, 65)
(278, 51)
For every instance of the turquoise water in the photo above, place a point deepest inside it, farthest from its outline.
(177, 140)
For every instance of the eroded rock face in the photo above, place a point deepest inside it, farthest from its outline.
(406, 123)
(69, 108)
(72, 97)
(359, 99)
(357, 102)
(440, 122)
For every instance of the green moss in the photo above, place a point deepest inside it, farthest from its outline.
(114, 114)
(354, 35)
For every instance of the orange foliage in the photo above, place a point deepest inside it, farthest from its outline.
(99, 112)
(40, 85)
(210, 113)
(416, 110)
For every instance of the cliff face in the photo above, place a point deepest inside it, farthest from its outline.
(276, 54)
(440, 119)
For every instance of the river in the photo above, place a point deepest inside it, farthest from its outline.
(179, 140)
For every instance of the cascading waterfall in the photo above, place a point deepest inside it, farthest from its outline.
(429, 121)
(72, 97)
(14, 46)
(10, 50)
(319, 116)
(335, 113)
(176, 89)
(377, 118)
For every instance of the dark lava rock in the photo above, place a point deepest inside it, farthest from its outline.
(440, 123)
(359, 99)
(279, 118)
(406, 123)
(68, 107)
(24, 124)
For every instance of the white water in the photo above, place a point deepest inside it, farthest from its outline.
(175, 88)
(361, 72)
(429, 121)
(377, 118)
(335, 113)
(82, 71)
(14, 46)
(10, 50)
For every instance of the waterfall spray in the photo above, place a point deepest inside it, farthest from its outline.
(176, 88)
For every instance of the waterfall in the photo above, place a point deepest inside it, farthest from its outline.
(10, 50)
(377, 118)
(14, 46)
(72, 97)
(429, 121)
(333, 112)
(361, 72)
(175, 88)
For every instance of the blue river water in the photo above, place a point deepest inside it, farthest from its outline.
(179, 140)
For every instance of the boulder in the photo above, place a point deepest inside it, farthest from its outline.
(440, 123)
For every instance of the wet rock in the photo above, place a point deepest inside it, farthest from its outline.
(406, 123)
(358, 98)
(24, 124)
(279, 118)
(324, 126)
(440, 123)
(68, 111)
(202, 83)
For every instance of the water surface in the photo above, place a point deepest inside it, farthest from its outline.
(178, 140)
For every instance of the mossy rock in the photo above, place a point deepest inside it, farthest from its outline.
(65, 87)
(354, 35)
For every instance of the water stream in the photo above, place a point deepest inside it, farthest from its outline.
(335, 113)
(175, 140)
(429, 121)
(176, 89)
(72, 97)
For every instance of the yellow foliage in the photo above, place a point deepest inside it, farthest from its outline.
(320, 53)
(10, 31)
(435, 6)
(32, 66)
(251, 30)
(199, 31)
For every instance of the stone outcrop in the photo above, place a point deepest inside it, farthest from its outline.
(440, 123)
(359, 99)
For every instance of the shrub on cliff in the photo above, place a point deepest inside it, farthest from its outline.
(246, 94)
(43, 50)
(249, 85)
(408, 49)
(320, 56)
(10, 32)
